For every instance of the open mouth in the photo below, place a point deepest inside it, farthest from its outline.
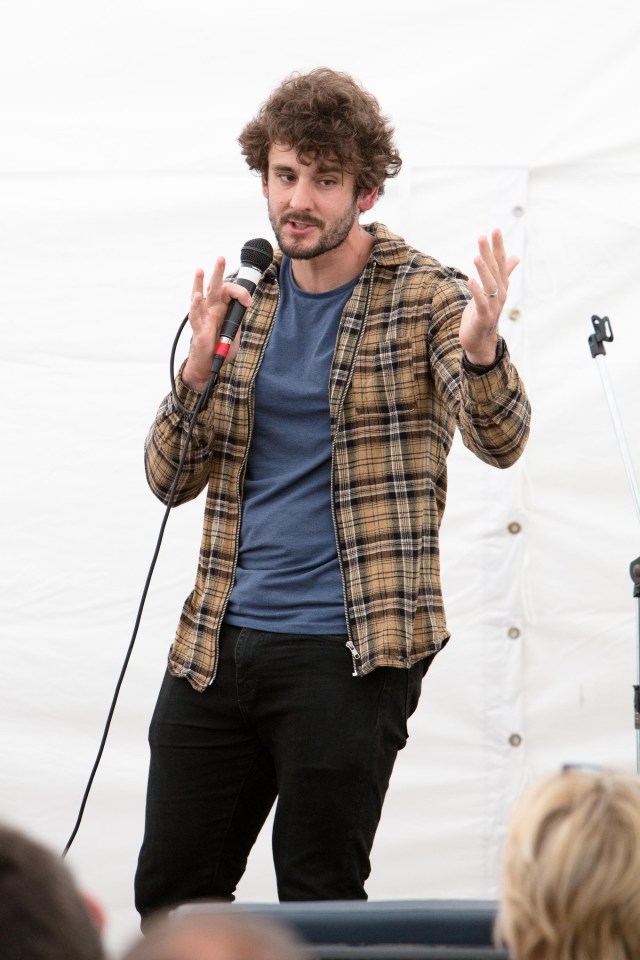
(300, 226)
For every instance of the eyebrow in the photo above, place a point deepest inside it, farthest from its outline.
(322, 168)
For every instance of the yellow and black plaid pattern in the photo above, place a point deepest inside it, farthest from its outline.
(398, 388)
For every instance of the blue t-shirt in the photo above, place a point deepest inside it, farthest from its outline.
(288, 577)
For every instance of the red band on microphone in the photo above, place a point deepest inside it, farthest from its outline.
(222, 349)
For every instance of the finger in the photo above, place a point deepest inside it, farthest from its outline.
(217, 276)
(198, 281)
(483, 304)
(488, 269)
(233, 291)
(499, 253)
(512, 263)
(197, 296)
(488, 279)
(487, 312)
(487, 255)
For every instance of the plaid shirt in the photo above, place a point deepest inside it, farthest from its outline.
(398, 388)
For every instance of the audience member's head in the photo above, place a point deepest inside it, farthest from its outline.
(571, 881)
(216, 935)
(43, 916)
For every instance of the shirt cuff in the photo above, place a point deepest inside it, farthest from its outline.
(188, 397)
(484, 368)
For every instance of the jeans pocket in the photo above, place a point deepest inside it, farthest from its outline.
(398, 698)
(414, 688)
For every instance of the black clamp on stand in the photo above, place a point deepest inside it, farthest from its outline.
(603, 334)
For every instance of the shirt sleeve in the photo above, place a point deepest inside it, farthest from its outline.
(491, 406)
(166, 441)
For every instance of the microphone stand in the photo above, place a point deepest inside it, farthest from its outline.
(603, 333)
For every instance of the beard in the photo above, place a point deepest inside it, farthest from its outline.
(330, 237)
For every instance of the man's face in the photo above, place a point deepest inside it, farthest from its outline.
(312, 206)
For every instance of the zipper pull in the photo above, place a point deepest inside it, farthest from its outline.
(354, 656)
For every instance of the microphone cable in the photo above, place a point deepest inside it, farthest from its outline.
(193, 415)
(259, 255)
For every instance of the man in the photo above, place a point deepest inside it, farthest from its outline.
(43, 916)
(317, 607)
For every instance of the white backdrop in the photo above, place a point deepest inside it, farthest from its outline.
(119, 175)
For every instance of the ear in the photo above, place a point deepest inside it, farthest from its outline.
(367, 199)
(265, 188)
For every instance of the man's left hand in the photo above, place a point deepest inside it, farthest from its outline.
(479, 322)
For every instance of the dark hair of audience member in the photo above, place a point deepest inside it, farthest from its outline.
(43, 915)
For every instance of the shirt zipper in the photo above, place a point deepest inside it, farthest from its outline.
(238, 486)
(350, 645)
(355, 656)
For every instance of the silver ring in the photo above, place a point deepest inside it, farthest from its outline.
(490, 295)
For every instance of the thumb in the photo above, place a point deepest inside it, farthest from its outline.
(512, 263)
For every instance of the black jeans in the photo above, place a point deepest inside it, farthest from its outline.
(284, 718)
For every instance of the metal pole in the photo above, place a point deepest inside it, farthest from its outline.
(617, 426)
(603, 333)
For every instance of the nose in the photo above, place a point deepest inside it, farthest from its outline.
(301, 198)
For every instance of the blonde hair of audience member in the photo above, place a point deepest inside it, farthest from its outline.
(216, 935)
(571, 877)
(43, 915)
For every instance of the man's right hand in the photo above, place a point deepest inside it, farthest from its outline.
(206, 316)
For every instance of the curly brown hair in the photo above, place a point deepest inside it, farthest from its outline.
(325, 115)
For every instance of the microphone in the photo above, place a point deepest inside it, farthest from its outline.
(255, 257)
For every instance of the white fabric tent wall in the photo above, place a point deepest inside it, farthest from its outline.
(119, 174)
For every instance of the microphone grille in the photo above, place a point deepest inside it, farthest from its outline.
(257, 253)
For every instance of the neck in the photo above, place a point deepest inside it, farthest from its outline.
(332, 269)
